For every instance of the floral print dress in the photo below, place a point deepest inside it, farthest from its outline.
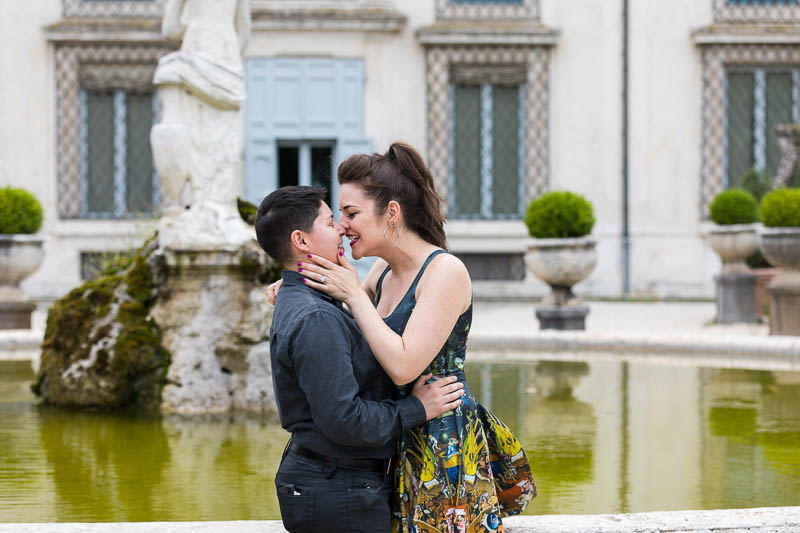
(464, 470)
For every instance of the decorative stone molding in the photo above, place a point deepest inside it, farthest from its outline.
(448, 9)
(138, 59)
(715, 58)
(441, 59)
(490, 33)
(128, 30)
(294, 17)
(725, 11)
(747, 34)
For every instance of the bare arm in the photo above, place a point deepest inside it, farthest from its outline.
(445, 292)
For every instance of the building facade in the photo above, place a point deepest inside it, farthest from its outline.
(506, 99)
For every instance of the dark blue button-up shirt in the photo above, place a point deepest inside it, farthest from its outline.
(332, 395)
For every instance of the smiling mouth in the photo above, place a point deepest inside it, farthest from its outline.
(353, 238)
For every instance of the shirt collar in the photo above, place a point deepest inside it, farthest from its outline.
(292, 278)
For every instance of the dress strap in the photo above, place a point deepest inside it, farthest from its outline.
(379, 284)
(413, 288)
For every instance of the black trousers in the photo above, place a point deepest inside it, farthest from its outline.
(324, 499)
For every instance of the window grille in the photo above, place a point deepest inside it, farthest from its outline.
(105, 110)
(486, 164)
(113, 8)
(483, 10)
(118, 179)
(757, 101)
(757, 11)
(748, 89)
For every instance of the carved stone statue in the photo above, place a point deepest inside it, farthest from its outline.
(197, 145)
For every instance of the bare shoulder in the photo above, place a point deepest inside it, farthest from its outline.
(447, 274)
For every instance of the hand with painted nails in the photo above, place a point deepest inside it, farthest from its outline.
(339, 281)
(272, 291)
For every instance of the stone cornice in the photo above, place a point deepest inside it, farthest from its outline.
(106, 30)
(747, 34)
(487, 33)
(356, 20)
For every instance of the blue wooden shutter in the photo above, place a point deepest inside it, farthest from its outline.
(301, 99)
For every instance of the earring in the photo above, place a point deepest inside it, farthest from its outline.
(396, 231)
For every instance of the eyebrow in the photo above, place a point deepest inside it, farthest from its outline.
(348, 206)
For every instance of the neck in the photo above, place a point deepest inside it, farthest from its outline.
(407, 257)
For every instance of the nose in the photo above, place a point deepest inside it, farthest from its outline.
(340, 229)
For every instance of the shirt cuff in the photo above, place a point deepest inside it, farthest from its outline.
(412, 413)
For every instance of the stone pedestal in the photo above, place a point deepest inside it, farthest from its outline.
(16, 315)
(215, 322)
(20, 256)
(736, 298)
(562, 317)
(785, 298)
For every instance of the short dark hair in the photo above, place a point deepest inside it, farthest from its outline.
(283, 211)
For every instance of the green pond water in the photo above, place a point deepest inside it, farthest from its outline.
(603, 437)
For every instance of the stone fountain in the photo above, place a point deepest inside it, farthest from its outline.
(189, 314)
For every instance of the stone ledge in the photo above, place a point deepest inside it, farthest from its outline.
(772, 519)
(767, 353)
(747, 34)
(487, 33)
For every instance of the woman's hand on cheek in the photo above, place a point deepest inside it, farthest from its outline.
(340, 280)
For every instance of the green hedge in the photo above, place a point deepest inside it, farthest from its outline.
(20, 211)
(781, 208)
(559, 214)
(734, 206)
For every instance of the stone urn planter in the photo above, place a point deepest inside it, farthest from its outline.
(561, 263)
(20, 256)
(734, 238)
(736, 283)
(561, 253)
(781, 247)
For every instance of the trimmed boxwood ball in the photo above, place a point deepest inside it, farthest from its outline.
(734, 206)
(781, 208)
(20, 211)
(559, 214)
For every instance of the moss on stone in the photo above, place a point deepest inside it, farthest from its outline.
(247, 211)
(102, 335)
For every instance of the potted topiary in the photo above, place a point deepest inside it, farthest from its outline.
(780, 244)
(734, 237)
(561, 254)
(20, 254)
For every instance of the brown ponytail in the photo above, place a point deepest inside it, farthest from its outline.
(400, 175)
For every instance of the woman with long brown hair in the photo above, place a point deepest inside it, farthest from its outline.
(464, 470)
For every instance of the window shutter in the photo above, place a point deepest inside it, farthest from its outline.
(300, 99)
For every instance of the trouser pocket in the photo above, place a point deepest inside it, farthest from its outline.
(297, 508)
(368, 507)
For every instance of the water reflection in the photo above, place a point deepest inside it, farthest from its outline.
(602, 436)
